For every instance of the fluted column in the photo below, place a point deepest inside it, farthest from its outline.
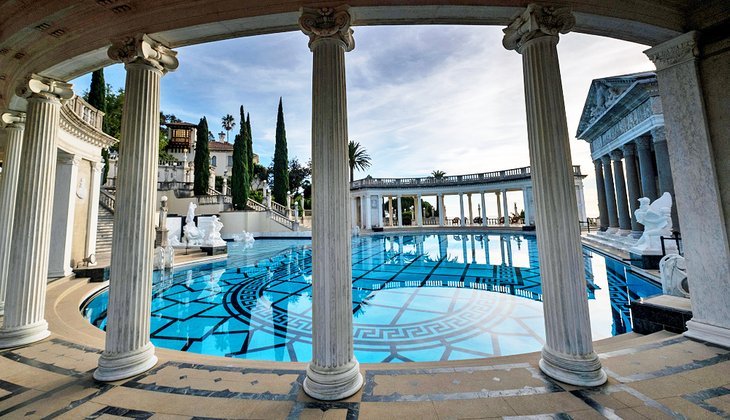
(128, 350)
(93, 215)
(461, 209)
(63, 214)
(380, 210)
(368, 214)
(632, 183)
(25, 301)
(440, 205)
(568, 353)
(646, 168)
(601, 190)
(699, 199)
(505, 207)
(14, 124)
(499, 206)
(664, 169)
(484, 210)
(390, 210)
(471, 215)
(622, 202)
(333, 372)
(400, 212)
(419, 210)
(610, 194)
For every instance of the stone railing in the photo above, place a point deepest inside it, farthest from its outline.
(279, 208)
(274, 214)
(107, 200)
(255, 205)
(482, 178)
(174, 185)
(86, 112)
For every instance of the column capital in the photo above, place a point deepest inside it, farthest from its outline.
(675, 51)
(537, 21)
(606, 159)
(44, 87)
(13, 119)
(643, 142)
(598, 163)
(68, 159)
(97, 167)
(658, 134)
(629, 149)
(616, 155)
(142, 49)
(327, 23)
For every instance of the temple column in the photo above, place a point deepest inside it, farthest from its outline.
(698, 195)
(24, 322)
(62, 218)
(471, 215)
(484, 210)
(622, 202)
(568, 353)
(632, 182)
(664, 168)
(610, 195)
(505, 207)
(499, 206)
(646, 168)
(601, 189)
(333, 373)
(93, 215)
(380, 210)
(368, 214)
(440, 205)
(128, 350)
(419, 211)
(14, 124)
(461, 209)
(580, 198)
(390, 210)
(400, 212)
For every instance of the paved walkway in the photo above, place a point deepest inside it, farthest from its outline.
(662, 375)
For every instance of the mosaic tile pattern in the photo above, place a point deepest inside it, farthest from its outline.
(415, 298)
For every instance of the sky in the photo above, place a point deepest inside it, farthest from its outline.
(420, 98)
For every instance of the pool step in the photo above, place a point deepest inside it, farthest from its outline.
(181, 257)
(631, 340)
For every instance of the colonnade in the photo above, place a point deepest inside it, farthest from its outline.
(334, 372)
(619, 191)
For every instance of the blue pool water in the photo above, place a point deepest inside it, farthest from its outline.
(415, 298)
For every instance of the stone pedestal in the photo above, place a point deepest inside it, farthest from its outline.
(14, 123)
(698, 196)
(128, 350)
(24, 321)
(568, 354)
(334, 372)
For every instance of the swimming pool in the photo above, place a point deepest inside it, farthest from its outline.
(428, 297)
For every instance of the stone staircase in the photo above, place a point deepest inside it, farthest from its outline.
(104, 231)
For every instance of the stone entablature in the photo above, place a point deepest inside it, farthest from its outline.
(83, 122)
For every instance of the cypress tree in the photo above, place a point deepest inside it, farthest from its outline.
(97, 99)
(240, 180)
(202, 159)
(249, 146)
(281, 160)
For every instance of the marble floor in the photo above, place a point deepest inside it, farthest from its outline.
(662, 375)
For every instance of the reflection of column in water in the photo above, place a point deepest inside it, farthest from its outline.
(443, 246)
(281, 326)
(400, 250)
(485, 241)
(619, 293)
(463, 249)
(590, 283)
(501, 248)
(532, 253)
(473, 250)
(508, 245)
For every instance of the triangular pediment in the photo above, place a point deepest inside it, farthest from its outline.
(603, 94)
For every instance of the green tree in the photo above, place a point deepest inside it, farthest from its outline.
(228, 123)
(358, 157)
(113, 118)
(438, 174)
(298, 173)
(249, 146)
(97, 98)
(240, 181)
(202, 159)
(281, 160)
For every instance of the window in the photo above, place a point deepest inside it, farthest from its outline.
(213, 161)
(230, 161)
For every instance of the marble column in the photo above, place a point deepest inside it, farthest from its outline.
(333, 373)
(664, 169)
(368, 214)
(14, 124)
(499, 206)
(697, 192)
(419, 210)
(440, 204)
(24, 321)
(646, 168)
(610, 195)
(93, 214)
(64, 209)
(400, 212)
(461, 209)
(128, 350)
(601, 190)
(632, 183)
(390, 210)
(380, 210)
(471, 215)
(568, 354)
(484, 210)
(505, 207)
(622, 202)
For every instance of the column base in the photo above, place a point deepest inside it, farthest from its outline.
(116, 366)
(636, 234)
(26, 334)
(612, 230)
(574, 370)
(713, 334)
(333, 384)
(624, 232)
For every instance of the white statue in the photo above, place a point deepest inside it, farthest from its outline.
(657, 220)
(193, 236)
(164, 257)
(245, 237)
(356, 231)
(213, 238)
(673, 272)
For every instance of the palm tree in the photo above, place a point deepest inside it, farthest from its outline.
(438, 174)
(359, 158)
(228, 123)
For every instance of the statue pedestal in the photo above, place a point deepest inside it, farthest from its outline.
(645, 261)
(214, 250)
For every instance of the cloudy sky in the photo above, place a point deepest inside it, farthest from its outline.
(419, 97)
